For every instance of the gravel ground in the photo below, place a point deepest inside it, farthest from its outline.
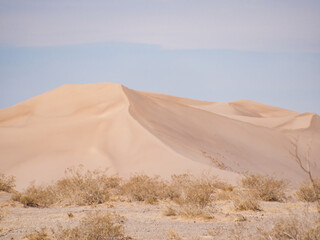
(144, 221)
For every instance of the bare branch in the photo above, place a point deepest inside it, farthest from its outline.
(306, 168)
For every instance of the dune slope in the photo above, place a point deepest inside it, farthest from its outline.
(109, 125)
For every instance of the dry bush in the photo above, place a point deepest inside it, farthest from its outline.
(170, 211)
(307, 192)
(85, 187)
(265, 187)
(194, 211)
(39, 235)
(245, 200)
(78, 187)
(193, 195)
(141, 187)
(188, 189)
(7, 183)
(94, 226)
(36, 196)
(293, 228)
(173, 235)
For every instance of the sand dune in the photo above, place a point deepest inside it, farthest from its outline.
(109, 125)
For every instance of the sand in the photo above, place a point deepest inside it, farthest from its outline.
(108, 125)
(146, 221)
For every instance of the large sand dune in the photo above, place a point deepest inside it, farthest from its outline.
(109, 125)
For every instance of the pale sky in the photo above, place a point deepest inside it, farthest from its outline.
(218, 50)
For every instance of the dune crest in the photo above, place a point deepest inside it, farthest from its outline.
(109, 125)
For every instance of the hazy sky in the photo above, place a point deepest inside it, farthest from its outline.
(218, 50)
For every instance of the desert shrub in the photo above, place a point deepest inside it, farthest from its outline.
(7, 183)
(188, 189)
(193, 195)
(39, 235)
(306, 191)
(141, 187)
(36, 196)
(85, 187)
(173, 235)
(245, 200)
(77, 187)
(265, 187)
(170, 211)
(293, 228)
(195, 211)
(94, 226)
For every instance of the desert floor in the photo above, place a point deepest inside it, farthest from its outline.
(147, 221)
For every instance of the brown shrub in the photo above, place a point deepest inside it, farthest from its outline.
(97, 225)
(85, 187)
(170, 211)
(194, 211)
(306, 191)
(94, 226)
(293, 228)
(39, 235)
(173, 235)
(193, 195)
(36, 196)
(78, 187)
(7, 183)
(188, 189)
(141, 187)
(265, 187)
(245, 200)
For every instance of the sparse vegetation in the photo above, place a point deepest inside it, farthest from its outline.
(188, 189)
(308, 191)
(245, 200)
(193, 195)
(78, 187)
(170, 211)
(85, 187)
(293, 228)
(186, 195)
(7, 183)
(39, 235)
(36, 196)
(194, 211)
(196, 197)
(265, 187)
(173, 235)
(141, 187)
(305, 164)
(94, 226)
